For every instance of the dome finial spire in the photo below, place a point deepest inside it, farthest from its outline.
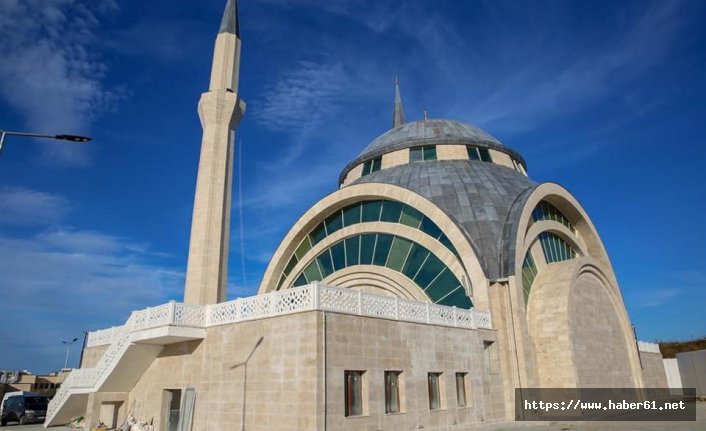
(398, 113)
(426, 114)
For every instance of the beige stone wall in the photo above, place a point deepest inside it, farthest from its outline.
(282, 376)
(376, 346)
(601, 353)
(284, 385)
(91, 355)
(451, 152)
(579, 328)
(653, 373)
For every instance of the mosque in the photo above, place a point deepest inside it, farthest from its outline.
(437, 279)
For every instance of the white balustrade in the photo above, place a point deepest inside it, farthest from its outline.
(648, 347)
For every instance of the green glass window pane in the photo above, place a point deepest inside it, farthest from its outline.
(303, 248)
(411, 217)
(312, 272)
(431, 268)
(391, 211)
(318, 234)
(334, 222)
(281, 281)
(416, 258)
(457, 298)
(398, 253)
(446, 241)
(325, 263)
(377, 164)
(351, 215)
(416, 154)
(430, 153)
(300, 281)
(473, 153)
(484, 154)
(371, 211)
(367, 247)
(430, 228)
(366, 168)
(338, 253)
(382, 249)
(352, 250)
(442, 286)
(290, 265)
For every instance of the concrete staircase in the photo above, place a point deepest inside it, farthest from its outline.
(133, 348)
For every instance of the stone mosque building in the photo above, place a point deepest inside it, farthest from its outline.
(437, 279)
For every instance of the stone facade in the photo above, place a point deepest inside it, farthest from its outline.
(287, 373)
(653, 370)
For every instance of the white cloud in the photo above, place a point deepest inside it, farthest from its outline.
(657, 297)
(20, 207)
(301, 99)
(49, 73)
(60, 281)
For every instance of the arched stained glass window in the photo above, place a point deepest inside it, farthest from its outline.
(386, 211)
(396, 253)
(529, 272)
(546, 211)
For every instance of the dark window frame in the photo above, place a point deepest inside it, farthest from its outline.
(392, 405)
(350, 388)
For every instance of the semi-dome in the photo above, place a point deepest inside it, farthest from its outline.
(430, 132)
(479, 197)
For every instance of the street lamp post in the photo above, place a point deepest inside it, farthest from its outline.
(72, 138)
(68, 346)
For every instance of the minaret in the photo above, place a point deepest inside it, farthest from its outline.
(398, 113)
(220, 111)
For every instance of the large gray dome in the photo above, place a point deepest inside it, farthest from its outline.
(429, 132)
(482, 198)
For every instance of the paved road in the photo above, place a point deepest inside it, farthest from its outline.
(700, 424)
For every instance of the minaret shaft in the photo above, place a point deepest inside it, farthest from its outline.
(220, 110)
(226, 62)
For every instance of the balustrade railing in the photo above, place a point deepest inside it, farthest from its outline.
(648, 347)
(305, 298)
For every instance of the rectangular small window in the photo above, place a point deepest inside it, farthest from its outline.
(473, 153)
(434, 392)
(484, 154)
(430, 152)
(416, 154)
(376, 164)
(488, 347)
(367, 168)
(354, 392)
(461, 389)
(392, 391)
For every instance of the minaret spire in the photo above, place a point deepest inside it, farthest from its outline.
(398, 113)
(220, 111)
(230, 22)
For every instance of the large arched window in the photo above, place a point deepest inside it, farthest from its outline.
(386, 211)
(396, 253)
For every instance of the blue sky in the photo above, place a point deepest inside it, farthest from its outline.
(605, 98)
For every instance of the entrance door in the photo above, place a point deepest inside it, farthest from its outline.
(180, 409)
(173, 409)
